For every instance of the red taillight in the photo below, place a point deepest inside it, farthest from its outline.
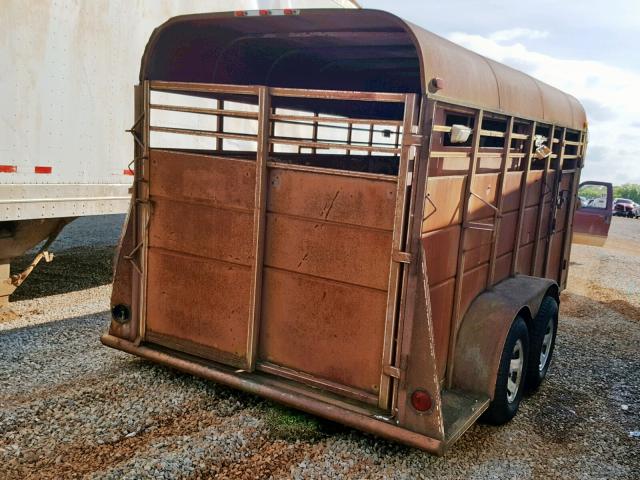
(240, 13)
(421, 401)
(289, 11)
(265, 12)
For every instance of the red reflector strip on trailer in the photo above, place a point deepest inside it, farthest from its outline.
(42, 169)
(127, 172)
(8, 169)
(266, 13)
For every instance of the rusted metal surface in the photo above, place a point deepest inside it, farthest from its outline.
(331, 330)
(478, 354)
(467, 77)
(280, 391)
(340, 283)
(458, 302)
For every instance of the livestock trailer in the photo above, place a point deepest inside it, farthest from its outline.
(377, 230)
(64, 90)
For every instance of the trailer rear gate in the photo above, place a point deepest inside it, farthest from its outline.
(287, 268)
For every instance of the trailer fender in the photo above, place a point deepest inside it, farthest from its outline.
(485, 326)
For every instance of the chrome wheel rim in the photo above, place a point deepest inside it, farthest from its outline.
(515, 371)
(547, 340)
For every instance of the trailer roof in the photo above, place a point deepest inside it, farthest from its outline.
(344, 49)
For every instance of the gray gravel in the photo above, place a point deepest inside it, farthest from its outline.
(71, 408)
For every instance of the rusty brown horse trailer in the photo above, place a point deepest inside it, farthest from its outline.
(372, 224)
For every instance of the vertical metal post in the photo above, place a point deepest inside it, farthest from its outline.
(220, 129)
(314, 150)
(541, 202)
(456, 316)
(524, 186)
(497, 220)
(259, 223)
(556, 189)
(412, 271)
(142, 179)
(350, 137)
(568, 226)
(396, 267)
(371, 127)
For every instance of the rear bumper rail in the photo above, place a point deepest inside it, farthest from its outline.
(272, 389)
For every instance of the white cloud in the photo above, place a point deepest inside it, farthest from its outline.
(513, 33)
(610, 96)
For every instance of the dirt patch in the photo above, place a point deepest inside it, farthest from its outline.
(7, 315)
(581, 307)
(80, 458)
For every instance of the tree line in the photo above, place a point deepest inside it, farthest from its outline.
(629, 190)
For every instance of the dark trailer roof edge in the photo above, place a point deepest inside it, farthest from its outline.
(343, 49)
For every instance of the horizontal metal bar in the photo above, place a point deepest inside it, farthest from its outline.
(338, 146)
(317, 382)
(61, 199)
(484, 133)
(445, 154)
(479, 226)
(205, 133)
(203, 87)
(575, 144)
(350, 121)
(339, 95)
(492, 133)
(333, 171)
(205, 111)
(280, 391)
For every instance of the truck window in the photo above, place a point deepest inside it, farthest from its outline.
(592, 196)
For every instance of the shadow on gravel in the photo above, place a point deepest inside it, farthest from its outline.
(72, 269)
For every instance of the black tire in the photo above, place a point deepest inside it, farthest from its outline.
(506, 400)
(545, 323)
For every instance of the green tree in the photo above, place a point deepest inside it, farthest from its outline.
(629, 190)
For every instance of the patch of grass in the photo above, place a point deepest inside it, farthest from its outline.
(291, 425)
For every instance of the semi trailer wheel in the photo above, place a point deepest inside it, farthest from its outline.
(542, 341)
(511, 375)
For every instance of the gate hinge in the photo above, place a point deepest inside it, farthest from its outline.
(401, 257)
(413, 139)
(391, 371)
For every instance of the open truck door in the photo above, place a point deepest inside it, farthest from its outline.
(593, 218)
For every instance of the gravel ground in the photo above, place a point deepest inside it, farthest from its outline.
(71, 408)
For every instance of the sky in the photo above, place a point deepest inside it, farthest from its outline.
(587, 48)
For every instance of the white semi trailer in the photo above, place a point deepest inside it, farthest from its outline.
(66, 74)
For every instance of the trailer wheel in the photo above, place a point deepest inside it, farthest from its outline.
(511, 375)
(543, 339)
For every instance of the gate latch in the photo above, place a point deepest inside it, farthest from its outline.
(401, 257)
